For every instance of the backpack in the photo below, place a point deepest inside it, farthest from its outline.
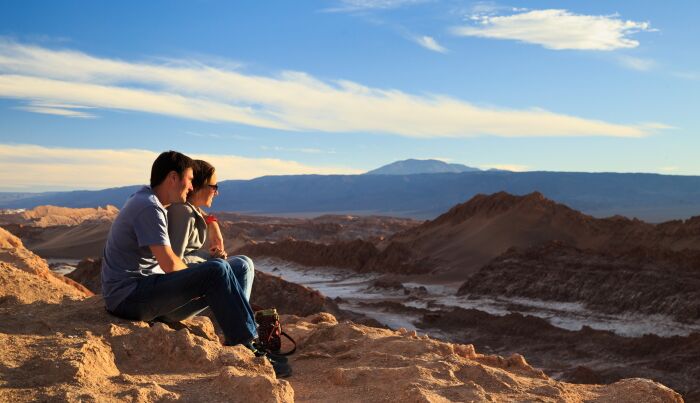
(270, 332)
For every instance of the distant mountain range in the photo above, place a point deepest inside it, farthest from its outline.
(412, 166)
(650, 197)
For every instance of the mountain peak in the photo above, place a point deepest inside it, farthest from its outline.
(415, 166)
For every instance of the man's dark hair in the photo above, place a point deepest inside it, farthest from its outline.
(202, 174)
(167, 162)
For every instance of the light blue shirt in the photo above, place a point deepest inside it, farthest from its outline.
(142, 222)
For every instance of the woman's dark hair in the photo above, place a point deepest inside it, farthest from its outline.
(167, 162)
(202, 173)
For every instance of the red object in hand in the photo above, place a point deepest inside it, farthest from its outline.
(210, 219)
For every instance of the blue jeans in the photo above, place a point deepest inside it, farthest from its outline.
(179, 295)
(244, 270)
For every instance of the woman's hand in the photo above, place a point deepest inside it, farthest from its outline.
(218, 253)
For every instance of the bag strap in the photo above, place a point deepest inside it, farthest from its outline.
(293, 342)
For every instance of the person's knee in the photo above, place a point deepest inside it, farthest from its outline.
(242, 265)
(250, 267)
(249, 262)
(219, 267)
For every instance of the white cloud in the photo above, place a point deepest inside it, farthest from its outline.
(558, 30)
(506, 167)
(430, 44)
(636, 63)
(45, 169)
(290, 101)
(57, 109)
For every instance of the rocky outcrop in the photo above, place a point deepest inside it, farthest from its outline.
(324, 229)
(351, 255)
(642, 280)
(288, 298)
(76, 351)
(468, 236)
(21, 271)
(579, 356)
(49, 216)
(88, 273)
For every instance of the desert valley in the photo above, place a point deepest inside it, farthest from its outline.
(501, 298)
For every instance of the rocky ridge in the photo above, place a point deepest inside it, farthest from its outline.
(644, 280)
(74, 350)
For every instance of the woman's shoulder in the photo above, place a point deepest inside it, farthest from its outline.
(181, 208)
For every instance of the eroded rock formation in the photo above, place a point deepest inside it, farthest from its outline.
(75, 351)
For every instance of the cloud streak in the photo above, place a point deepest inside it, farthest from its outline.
(557, 30)
(291, 101)
(57, 109)
(430, 43)
(47, 169)
(637, 63)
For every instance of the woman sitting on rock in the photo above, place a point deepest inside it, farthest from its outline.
(189, 225)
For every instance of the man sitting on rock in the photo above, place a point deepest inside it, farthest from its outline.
(143, 279)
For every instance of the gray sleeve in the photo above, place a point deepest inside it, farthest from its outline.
(202, 253)
(181, 223)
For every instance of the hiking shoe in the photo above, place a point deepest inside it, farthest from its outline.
(282, 368)
(259, 347)
(279, 363)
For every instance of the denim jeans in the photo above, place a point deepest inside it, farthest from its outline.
(176, 296)
(244, 270)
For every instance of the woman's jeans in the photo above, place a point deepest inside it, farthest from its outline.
(175, 296)
(244, 270)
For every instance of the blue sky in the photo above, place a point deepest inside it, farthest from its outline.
(90, 92)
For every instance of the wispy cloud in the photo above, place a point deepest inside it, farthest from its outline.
(45, 168)
(48, 108)
(636, 63)
(557, 29)
(669, 169)
(290, 101)
(306, 150)
(430, 43)
(476, 11)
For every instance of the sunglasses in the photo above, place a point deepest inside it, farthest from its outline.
(215, 187)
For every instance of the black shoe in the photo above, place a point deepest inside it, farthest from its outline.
(274, 354)
(279, 363)
(282, 368)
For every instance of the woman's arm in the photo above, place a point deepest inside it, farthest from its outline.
(181, 223)
(216, 240)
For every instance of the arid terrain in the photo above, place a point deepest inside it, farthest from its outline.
(505, 274)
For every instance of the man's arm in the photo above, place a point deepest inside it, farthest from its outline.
(167, 259)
